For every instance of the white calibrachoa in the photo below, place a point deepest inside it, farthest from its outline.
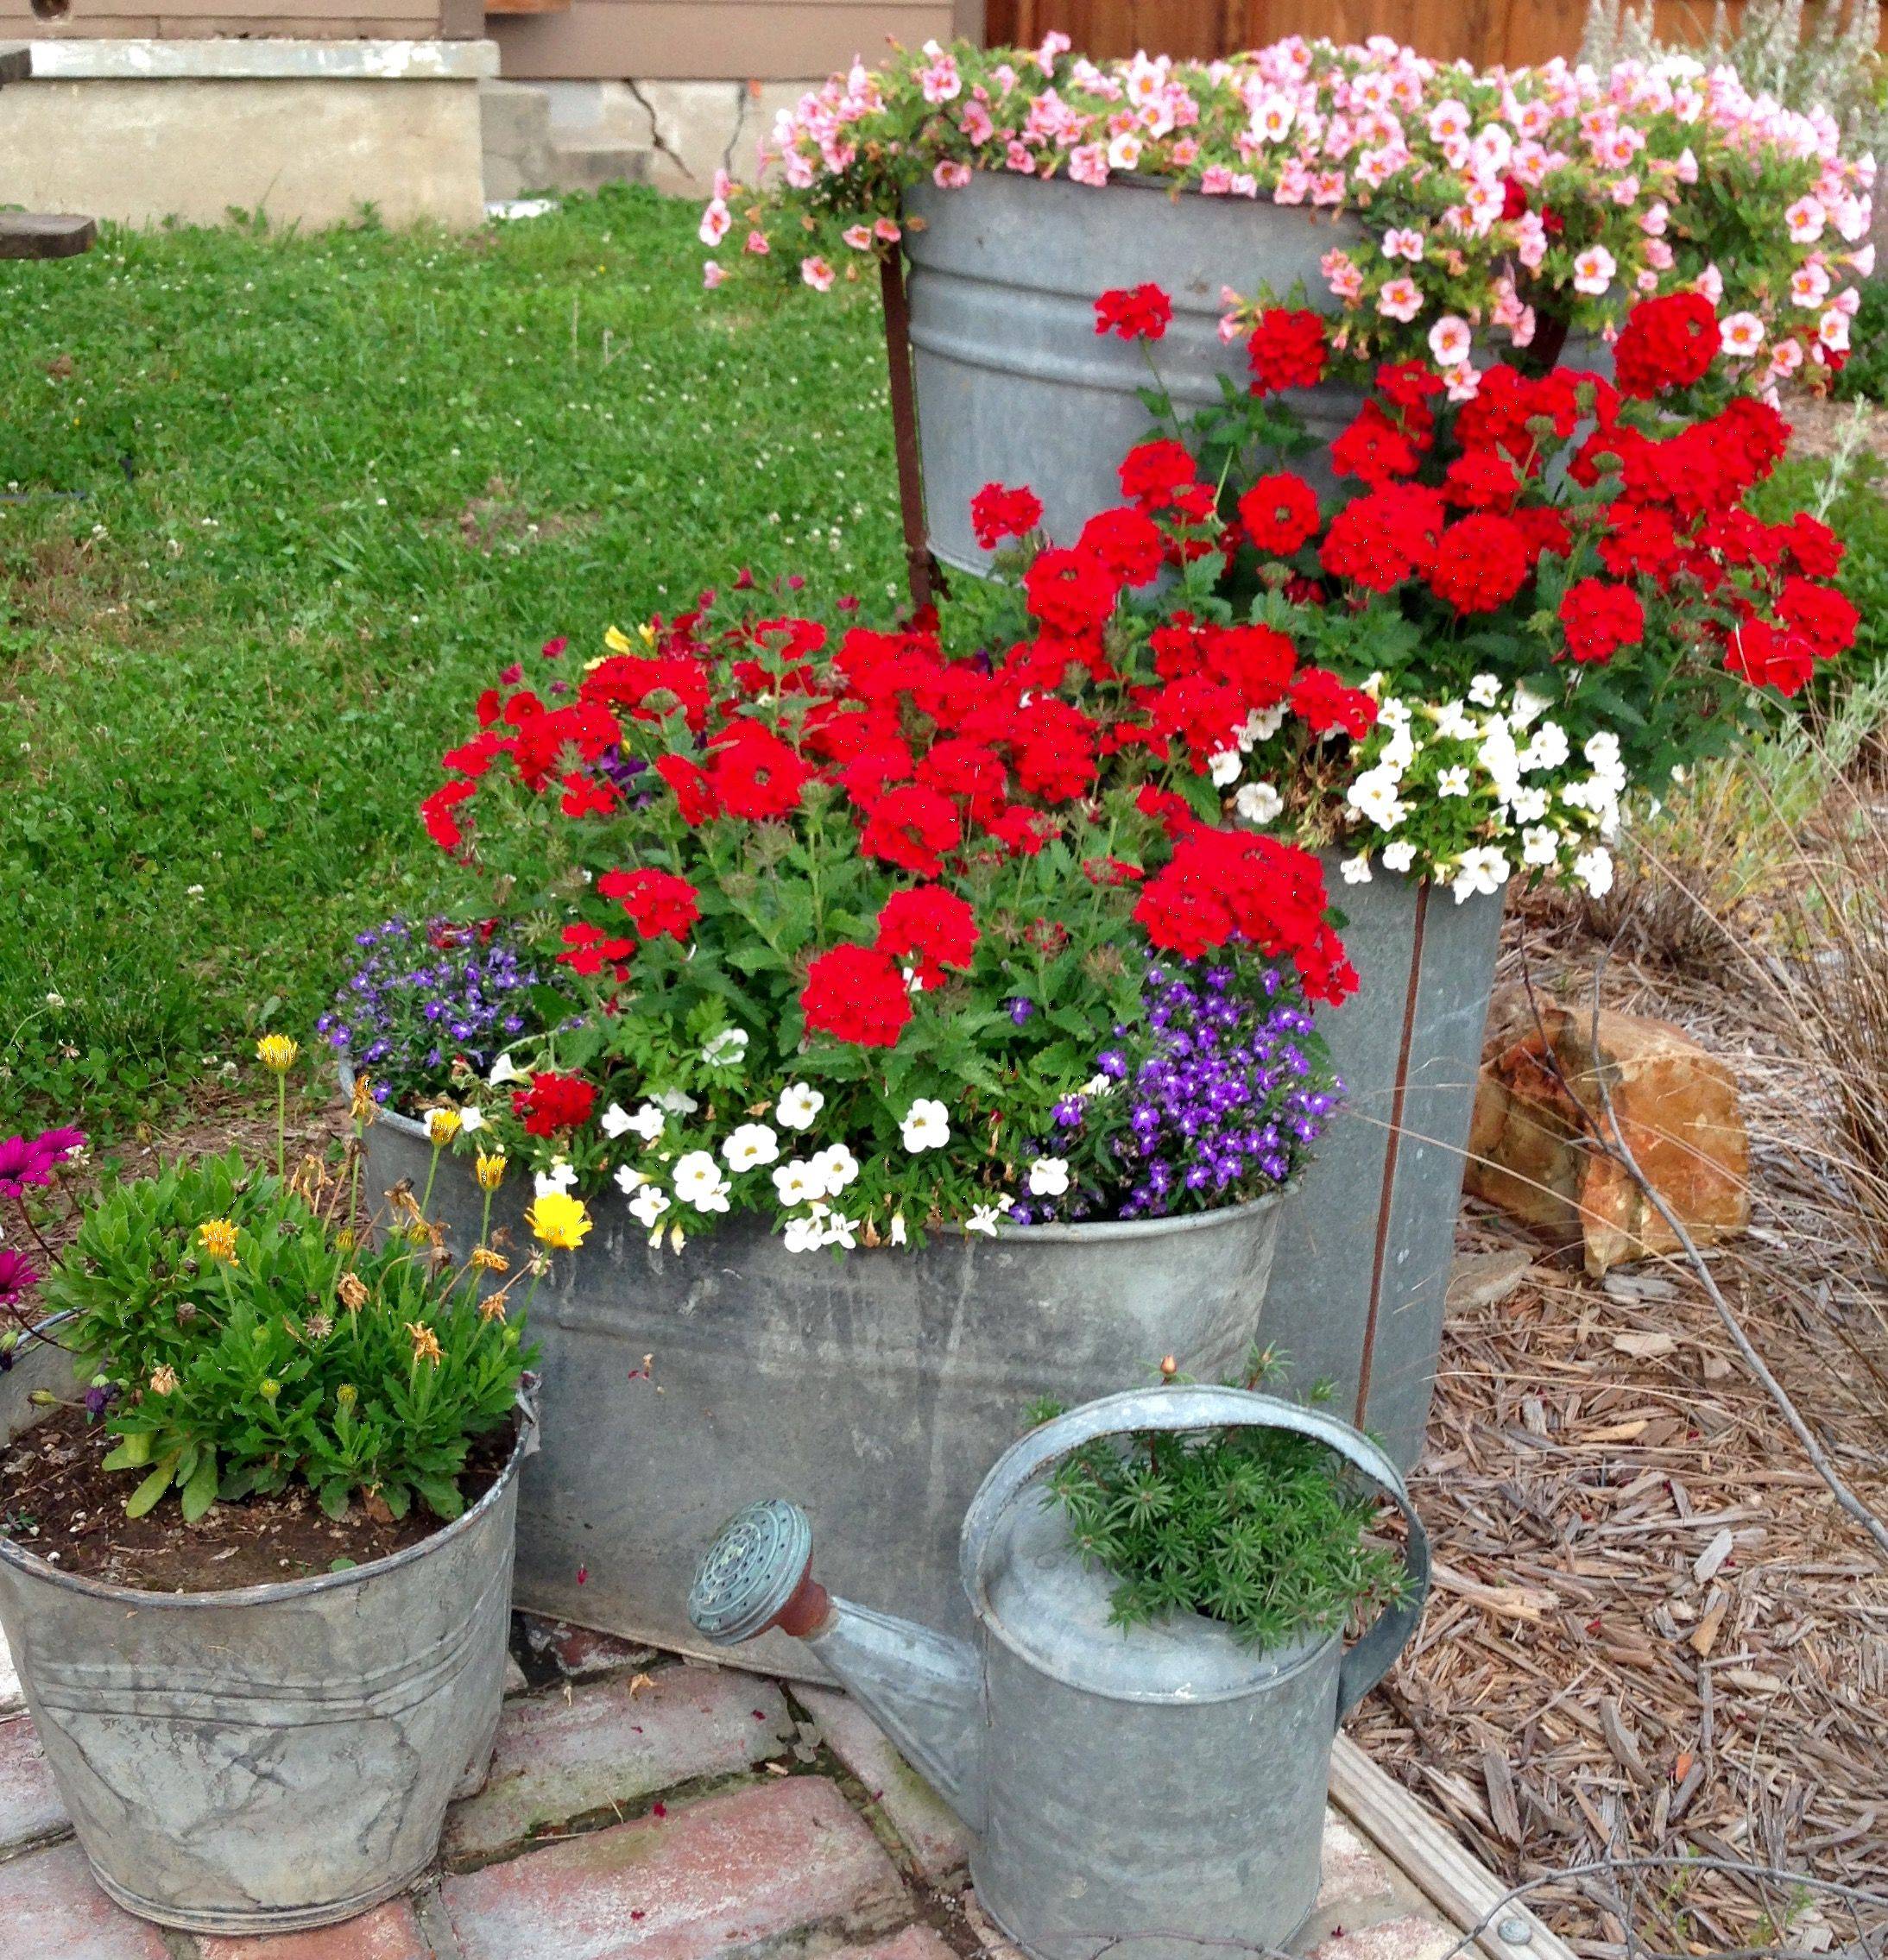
(799, 1106)
(926, 1125)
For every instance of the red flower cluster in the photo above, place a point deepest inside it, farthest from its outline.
(1279, 514)
(552, 1103)
(1140, 313)
(931, 925)
(997, 514)
(1600, 618)
(1666, 343)
(657, 902)
(857, 994)
(1286, 350)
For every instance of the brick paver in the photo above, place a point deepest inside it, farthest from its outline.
(921, 1817)
(49, 1907)
(727, 1871)
(29, 1804)
(557, 1758)
(388, 1932)
(581, 1653)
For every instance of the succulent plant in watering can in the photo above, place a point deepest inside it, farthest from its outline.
(1138, 1789)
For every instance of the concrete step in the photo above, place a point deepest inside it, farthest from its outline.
(582, 166)
(514, 133)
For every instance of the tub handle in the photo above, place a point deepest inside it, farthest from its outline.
(1180, 1407)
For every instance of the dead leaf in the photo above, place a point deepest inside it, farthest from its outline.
(1646, 1347)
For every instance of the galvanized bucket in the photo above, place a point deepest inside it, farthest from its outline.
(877, 1388)
(1361, 1272)
(271, 1759)
(1014, 383)
(1144, 1793)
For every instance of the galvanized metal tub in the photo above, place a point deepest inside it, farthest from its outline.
(1364, 1253)
(1014, 383)
(271, 1759)
(875, 1389)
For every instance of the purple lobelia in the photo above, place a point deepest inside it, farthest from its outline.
(423, 996)
(1214, 1098)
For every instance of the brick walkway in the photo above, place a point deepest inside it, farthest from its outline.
(642, 1808)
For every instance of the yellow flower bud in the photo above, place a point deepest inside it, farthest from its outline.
(270, 1390)
(490, 1171)
(216, 1240)
(347, 1395)
(442, 1126)
(277, 1052)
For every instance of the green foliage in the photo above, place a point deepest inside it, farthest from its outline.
(1261, 1529)
(239, 1375)
(267, 511)
(1865, 376)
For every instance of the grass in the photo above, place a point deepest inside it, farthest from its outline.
(276, 507)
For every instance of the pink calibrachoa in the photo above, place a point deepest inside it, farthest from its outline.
(1510, 199)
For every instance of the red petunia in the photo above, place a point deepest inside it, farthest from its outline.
(553, 1103)
(857, 993)
(657, 902)
(913, 828)
(1600, 618)
(1279, 513)
(1140, 312)
(755, 774)
(1286, 350)
(1480, 564)
(1666, 342)
(934, 926)
(1071, 592)
(997, 513)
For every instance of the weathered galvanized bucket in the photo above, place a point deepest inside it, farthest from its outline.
(1362, 1271)
(877, 1388)
(1014, 383)
(272, 1759)
(1149, 1794)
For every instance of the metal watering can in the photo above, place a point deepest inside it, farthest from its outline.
(1154, 1793)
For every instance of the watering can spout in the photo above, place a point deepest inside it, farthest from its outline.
(922, 1688)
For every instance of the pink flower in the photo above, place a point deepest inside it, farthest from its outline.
(712, 275)
(1449, 341)
(715, 222)
(1018, 157)
(817, 274)
(757, 244)
(1594, 270)
(886, 230)
(1805, 218)
(859, 236)
(1741, 335)
(1809, 285)
(940, 80)
(1089, 164)
(1832, 330)
(1401, 299)
(1407, 244)
(950, 174)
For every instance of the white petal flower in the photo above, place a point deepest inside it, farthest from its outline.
(803, 1235)
(1398, 856)
(678, 1102)
(1454, 781)
(503, 1070)
(985, 1219)
(725, 1049)
(1257, 803)
(1454, 722)
(1548, 749)
(648, 1206)
(615, 1120)
(898, 1236)
(1048, 1177)
(751, 1144)
(1356, 870)
(836, 1168)
(1223, 765)
(1593, 869)
(797, 1105)
(1480, 869)
(839, 1231)
(560, 1177)
(1540, 845)
(926, 1125)
(1485, 690)
(1528, 706)
(1529, 805)
(1262, 724)
(698, 1183)
(630, 1179)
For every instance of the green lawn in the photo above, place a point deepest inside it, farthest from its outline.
(268, 528)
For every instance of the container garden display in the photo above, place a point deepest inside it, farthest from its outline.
(1141, 1758)
(263, 1639)
(1438, 214)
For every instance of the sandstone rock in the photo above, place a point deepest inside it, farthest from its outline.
(1538, 1110)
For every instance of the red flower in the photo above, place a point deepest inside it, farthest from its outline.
(1480, 564)
(1638, 542)
(1666, 342)
(967, 769)
(997, 514)
(1127, 542)
(656, 901)
(1320, 700)
(1286, 350)
(755, 774)
(585, 796)
(933, 925)
(1484, 479)
(553, 1103)
(1181, 911)
(588, 950)
(1758, 653)
(1140, 313)
(694, 797)
(1600, 618)
(436, 813)
(1257, 660)
(1820, 615)
(1381, 539)
(1154, 475)
(913, 827)
(1817, 549)
(857, 993)
(1373, 448)
(1279, 513)
(1071, 592)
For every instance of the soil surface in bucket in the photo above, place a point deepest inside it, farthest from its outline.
(57, 1501)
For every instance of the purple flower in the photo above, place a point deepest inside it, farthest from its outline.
(1020, 1009)
(17, 1278)
(25, 1160)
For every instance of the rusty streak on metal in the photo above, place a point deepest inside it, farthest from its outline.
(1387, 1194)
(919, 572)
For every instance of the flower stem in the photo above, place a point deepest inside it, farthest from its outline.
(281, 1125)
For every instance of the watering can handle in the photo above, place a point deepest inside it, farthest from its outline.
(1181, 1408)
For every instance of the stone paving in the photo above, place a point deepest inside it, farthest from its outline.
(641, 1807)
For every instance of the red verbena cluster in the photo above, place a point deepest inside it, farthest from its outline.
(1286, 350)
(1138, 312)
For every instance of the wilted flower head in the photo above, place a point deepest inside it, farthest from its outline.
(352, 1291)
(164, 1380)
(426, 1343)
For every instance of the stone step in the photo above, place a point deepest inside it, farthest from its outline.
(590, 165)
(515, 135)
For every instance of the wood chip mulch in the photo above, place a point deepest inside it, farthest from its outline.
(1653, 1635)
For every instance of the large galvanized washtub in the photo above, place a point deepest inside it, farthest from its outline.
(875, 1389)
(272, 1759)
(1014, 385)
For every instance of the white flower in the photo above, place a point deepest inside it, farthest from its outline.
(1548, 749)
(1373, 796)
(1394, 714)
(799, 1182)
(926, 1125)
(803, 1235)
(630, 1179)
(698, 1183)
(1540, 845)
(1528, 706)
(1594, 270)
(1262, 724)
(1453, 782)
(725, 1049)
(1099, 1086)
(1398, 856)
(836, 1168)
(503, 1070)
(1223, 765)
(1529, 806)
(471, 1118)
(1257, 803)
(1398, 753)
(678, 1102)
(1356, 870)
(898, 1236)
(799, 1105)
(752, 1143)
(560, 1177)
(1479, 869)
(1049, 1177)
(984, 1219)
(648, 1205)
(839, 1229)
(617, 1121)
(1485, 690)
(1454, 723)
(1593, 869)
